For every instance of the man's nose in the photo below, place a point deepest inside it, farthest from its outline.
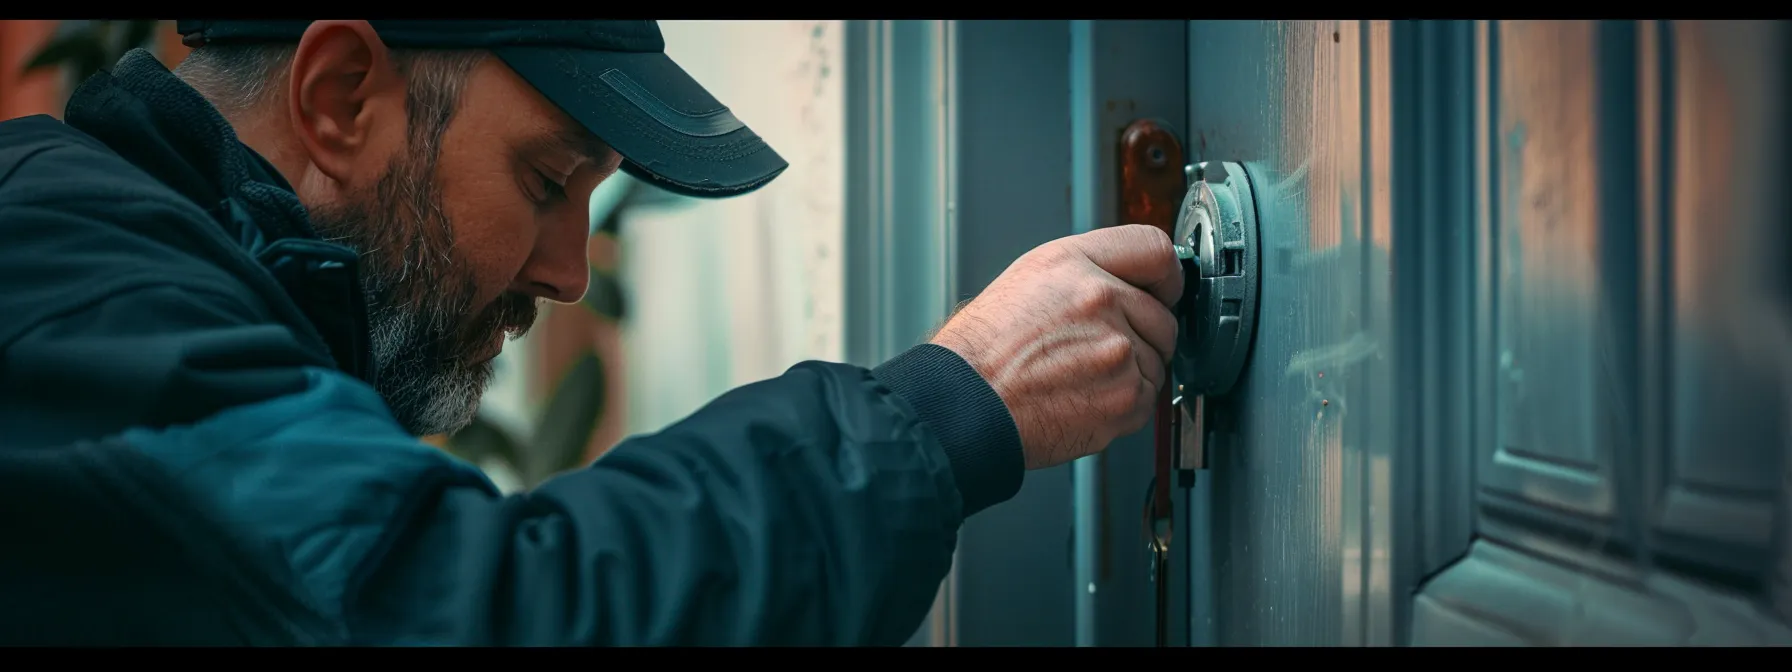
(557, 269)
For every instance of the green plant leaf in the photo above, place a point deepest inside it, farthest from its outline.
(77, 48)
(91, 48)
(563, 431)
(482, 440)
(605, 295)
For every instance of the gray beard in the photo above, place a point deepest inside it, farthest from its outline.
(428, 392)
(425, 329)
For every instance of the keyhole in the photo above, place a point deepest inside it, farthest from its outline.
(1155, 155)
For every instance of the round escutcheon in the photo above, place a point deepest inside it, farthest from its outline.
(1216, 233)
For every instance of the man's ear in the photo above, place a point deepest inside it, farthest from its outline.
(344, 95)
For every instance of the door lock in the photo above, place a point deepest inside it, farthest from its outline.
(1216, 236)
(1216, 239)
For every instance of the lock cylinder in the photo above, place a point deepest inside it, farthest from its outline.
(1216, 236)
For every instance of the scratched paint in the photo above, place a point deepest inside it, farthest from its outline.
(1300, 546)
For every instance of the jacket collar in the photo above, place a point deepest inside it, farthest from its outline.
(160, 124)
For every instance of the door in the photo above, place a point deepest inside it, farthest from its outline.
(1522, 372)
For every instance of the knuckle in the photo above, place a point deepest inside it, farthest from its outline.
(1097, 297)
(1042, 261)
(1114, 351)
(1030, 258)
(1024, 263)
(1164, 324)
(1054, 251)
(1141, 396)
(1151, 364)
(1097, 234)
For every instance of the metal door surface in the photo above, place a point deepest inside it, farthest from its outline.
(1291, 528)
(1522, 371)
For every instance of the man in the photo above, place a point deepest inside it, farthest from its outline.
(235, 294)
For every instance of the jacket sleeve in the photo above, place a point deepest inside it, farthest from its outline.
(817, 508)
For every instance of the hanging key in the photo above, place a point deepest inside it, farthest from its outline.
(1191, 438)
(1157, 525)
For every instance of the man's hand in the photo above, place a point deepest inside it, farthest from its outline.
(1074, 337)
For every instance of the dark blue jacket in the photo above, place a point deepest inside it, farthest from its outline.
(190, 451)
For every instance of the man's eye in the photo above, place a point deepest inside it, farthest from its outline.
(551, 190)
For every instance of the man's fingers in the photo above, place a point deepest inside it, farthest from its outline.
(1151, 364)
(1137, 254)
(1150, 320)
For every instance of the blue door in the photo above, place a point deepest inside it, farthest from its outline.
(1522, 372)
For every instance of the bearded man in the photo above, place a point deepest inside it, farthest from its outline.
(232, 296)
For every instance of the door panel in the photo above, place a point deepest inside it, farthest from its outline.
(1548, 454)
(1723, 395)
(1629, 490)
(1562, 288)
(1530, 261)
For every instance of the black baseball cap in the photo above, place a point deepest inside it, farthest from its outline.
(613, 77)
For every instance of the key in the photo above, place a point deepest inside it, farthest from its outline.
(1162, 578)
(1157, 529)
(1191, 439)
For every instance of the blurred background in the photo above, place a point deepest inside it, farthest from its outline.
(1523, 373)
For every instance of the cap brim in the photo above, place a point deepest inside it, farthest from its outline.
(670, 132)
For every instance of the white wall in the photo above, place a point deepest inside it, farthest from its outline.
(732, 291)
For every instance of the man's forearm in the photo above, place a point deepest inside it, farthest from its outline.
(817, 508)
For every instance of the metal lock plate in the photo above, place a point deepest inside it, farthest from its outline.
(1216, 234)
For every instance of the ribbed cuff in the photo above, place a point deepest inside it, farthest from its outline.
(973, 425)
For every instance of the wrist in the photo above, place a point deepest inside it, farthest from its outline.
(971, 422)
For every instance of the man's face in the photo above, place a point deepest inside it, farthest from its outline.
(460, 241)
